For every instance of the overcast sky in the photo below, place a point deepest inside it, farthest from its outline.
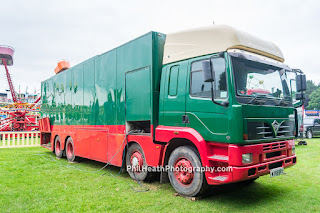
(43, 32)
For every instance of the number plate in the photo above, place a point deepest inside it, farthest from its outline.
(276, 172)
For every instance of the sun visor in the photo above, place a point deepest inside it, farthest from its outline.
(250, 57)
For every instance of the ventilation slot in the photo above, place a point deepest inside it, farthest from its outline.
(259, 130)
(285, 129)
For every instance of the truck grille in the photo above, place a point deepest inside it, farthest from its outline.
(264, 130)
(274, 146)
(259, 130)
(285, 129)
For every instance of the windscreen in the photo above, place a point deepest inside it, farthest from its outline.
(258, 79)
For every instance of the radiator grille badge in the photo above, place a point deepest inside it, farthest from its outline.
(275, 126)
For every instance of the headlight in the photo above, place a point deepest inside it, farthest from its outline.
(247, 158)
(293, 150)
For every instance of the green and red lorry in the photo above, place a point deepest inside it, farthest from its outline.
(213, 97)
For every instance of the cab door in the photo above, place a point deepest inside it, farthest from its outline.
(208, 118)
(174, 95)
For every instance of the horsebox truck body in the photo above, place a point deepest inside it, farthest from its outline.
(150, 103)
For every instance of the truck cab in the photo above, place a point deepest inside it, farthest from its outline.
(226, 94)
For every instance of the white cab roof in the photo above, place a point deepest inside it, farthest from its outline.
(214, 39)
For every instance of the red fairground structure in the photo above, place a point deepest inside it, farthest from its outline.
(21, 116)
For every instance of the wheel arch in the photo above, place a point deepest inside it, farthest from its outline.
(175, 143)
(174, 135)
(125, 150)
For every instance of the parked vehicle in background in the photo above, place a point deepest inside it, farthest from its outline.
(311, 126)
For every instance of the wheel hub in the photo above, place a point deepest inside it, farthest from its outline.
(184, 171)
(136, 161)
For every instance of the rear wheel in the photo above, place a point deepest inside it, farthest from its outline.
(57, 147)
(309, 134)
(136, 160)
(70, 150)
(183, 178)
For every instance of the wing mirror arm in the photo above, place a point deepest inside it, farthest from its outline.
(208, 72)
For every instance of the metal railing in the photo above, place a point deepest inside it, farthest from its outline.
(19, 139)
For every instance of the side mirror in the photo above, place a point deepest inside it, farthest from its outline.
(207, 71)
(300, 96)
(301, 83)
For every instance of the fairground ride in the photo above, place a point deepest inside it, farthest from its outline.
(20, 116)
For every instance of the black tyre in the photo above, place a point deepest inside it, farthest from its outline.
(309, 134)
(186, 182)
(135, 158)
(70, 150)
(58, 149)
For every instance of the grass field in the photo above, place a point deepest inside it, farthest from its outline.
(33, 180)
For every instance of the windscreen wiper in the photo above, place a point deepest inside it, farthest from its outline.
(281, 102)
(257, 96)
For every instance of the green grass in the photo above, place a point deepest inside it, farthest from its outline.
(33, 180)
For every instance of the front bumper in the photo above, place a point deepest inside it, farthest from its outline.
(265, 157)
(254, 171)
(238, 174)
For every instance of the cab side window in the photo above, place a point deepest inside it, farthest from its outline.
(173, 80)
(202, 89)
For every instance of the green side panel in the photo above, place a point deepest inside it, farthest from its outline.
(59, 87)
(131, 56)
(77, 96)
(89, 106)
(105, 86)
(158, 48)
(94, 92)
(45, 94)
(138, 95)
(68, 97)
(53, 103)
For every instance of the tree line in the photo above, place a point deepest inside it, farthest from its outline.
(312, 96)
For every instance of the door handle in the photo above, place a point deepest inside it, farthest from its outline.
(185, 119)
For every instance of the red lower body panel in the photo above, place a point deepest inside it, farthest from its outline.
(106, 144)
(103, 143)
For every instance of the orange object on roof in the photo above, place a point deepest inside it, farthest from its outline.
(62, 65)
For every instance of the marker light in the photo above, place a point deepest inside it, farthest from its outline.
(293, 150)
(247, 158)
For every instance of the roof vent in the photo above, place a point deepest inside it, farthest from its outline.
(62, 66)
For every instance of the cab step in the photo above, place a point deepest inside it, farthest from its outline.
(220, 158)
(222, 178)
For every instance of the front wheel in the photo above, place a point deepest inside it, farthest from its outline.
(309, 134)
(183, 175)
